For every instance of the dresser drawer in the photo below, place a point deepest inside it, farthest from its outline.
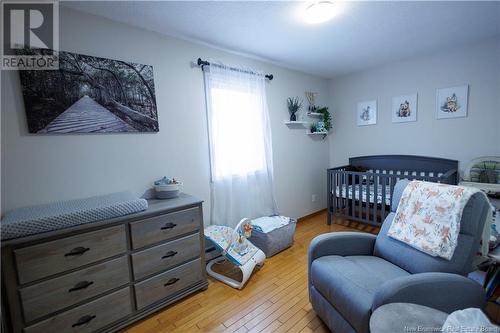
(167, 284)
(42, 260)
(88, 317)
(49, 296)
(164, 256)
(163, 227)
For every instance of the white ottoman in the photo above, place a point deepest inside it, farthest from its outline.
(406, 317)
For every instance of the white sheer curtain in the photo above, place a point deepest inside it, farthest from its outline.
(240, 145)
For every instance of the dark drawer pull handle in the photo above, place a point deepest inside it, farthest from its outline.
(169, 254)
(82, 321)
(212, 249)
(169, 225)
(171, 281)
(81, 285)
(77, 251)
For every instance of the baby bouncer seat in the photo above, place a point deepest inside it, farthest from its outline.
(236, 249)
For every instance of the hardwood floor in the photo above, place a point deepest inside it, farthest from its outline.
(274, 300)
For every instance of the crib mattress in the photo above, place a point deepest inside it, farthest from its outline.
(371, 198)
(43, 218)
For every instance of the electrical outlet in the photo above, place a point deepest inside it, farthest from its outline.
(313, 198)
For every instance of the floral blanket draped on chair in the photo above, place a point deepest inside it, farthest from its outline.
(428, 217)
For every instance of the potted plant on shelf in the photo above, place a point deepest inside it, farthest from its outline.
(311, 96)
(313, 128)
(327, 118)
(322, 126)
(293, 107)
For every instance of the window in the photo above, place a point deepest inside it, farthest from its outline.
(237, 133)
(240, 146)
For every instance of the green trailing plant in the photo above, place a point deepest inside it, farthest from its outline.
(327, 118)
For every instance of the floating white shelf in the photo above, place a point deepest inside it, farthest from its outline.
(315, 114)
(296, 124)
(317, 134)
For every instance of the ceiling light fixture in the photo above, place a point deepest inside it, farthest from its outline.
(319, 12)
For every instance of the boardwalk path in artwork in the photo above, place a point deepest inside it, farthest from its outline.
(87, 116)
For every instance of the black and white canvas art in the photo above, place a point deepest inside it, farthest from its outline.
(452, 102)
(90, 95)
(404, 108)
(366, 113)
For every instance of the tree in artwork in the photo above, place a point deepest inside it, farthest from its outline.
(90, 94)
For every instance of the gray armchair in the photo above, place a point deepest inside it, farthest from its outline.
(353, 273)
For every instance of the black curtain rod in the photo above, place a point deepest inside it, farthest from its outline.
(206, 63)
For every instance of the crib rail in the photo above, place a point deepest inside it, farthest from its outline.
(367, 196)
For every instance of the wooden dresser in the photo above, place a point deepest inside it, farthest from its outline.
(103, 276)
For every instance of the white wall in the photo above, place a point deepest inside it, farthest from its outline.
(39, 169)
(463, 138)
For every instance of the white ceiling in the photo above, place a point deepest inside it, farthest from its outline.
(362, 35)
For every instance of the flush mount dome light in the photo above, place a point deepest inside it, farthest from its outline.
(319, 12)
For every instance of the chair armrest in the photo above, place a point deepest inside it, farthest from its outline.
(341, 244)
(442, 291)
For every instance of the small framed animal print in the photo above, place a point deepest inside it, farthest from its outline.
(366, 113)
(404, 108)
(452, 102)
